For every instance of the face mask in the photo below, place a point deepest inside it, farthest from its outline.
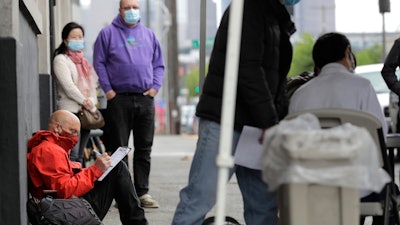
(132, 16)
(75, 45)
(67, 141)
(291, 2)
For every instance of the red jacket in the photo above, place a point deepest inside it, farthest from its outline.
(49, 168)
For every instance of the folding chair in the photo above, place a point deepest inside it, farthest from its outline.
(331, 117)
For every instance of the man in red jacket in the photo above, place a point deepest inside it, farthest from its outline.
(49, 168)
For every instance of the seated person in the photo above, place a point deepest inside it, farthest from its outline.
(337, 87)
(49, 168)
(293, 83)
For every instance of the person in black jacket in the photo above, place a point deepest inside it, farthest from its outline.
(265, 57)
(388, 72)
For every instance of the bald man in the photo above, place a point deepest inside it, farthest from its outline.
(49, 168)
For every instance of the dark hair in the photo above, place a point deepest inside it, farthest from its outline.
(330, 47)
(62, 48)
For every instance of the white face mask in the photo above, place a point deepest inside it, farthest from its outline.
(132, 16)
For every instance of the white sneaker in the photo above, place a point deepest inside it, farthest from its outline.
(148, 202)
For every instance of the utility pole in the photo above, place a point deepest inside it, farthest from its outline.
(202, 52)
(384, 7)
(148, 13)
(172, 70)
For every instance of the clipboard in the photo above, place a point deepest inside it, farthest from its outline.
(116, 157)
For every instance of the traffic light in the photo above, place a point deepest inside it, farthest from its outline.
(384, 6)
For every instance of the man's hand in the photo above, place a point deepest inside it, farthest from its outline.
(110, 94)
(103, 162)
(261, 138)
(152, 92)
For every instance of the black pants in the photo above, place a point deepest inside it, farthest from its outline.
(117, 185)
(126, 113)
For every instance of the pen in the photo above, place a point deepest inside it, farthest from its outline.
(97, 152)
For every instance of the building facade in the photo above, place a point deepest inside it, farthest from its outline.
(315, 17)
(28, 29)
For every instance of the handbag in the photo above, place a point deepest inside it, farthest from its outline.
(90, 120)
(72, 211)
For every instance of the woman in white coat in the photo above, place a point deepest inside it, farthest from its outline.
(76, 81)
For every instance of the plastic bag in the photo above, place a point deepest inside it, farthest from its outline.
(299, 151)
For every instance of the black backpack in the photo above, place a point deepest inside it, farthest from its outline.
(72, 211)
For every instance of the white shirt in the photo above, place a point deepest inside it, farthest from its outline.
(336, 87)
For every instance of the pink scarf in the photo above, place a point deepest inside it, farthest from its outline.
(82, 65)
(87, 80)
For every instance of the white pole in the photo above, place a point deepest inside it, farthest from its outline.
(224, 159)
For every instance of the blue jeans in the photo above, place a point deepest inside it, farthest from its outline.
(199, 196)
(260, 205)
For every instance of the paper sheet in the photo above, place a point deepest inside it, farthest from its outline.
(116, 157)
(249, 150)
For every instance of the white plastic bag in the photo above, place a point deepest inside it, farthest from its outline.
(299, 151)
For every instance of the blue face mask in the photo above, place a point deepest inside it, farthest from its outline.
(75, 45)
(291, 2)
(132, 16)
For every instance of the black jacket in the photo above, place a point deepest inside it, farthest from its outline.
(389, 68)
(265, 58)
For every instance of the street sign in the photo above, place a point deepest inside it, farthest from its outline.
(209, 43)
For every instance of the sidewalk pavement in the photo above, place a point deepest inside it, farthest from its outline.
(171, 160)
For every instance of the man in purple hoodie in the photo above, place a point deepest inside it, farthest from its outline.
(128, 60)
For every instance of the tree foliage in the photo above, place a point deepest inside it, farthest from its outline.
(191, 81)
(302, 61)
(370, 55)
(302, 55)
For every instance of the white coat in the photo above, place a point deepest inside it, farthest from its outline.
(69, 97)
(336, 87)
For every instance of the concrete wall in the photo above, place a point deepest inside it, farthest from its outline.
(19, 82)
(26, 85)
(44, 63)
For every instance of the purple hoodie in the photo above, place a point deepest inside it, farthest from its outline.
(128, 59)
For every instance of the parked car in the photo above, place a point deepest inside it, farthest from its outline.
(373, 73)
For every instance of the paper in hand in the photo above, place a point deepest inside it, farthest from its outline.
(116, 157)
(249, 150)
